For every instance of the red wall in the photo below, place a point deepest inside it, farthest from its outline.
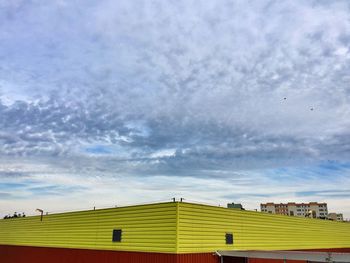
(22, 254)
(197, 258)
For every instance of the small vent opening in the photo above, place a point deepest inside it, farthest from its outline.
(229, 238)
(117, 235)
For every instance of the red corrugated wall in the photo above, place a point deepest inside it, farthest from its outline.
(235, 260)
(23, 254)
(197, 258)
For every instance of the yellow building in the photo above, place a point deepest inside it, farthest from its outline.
(164, 231)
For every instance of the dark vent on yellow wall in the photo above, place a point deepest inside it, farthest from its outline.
(117, 235)
(229, 238)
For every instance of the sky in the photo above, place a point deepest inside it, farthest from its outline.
(106, 103)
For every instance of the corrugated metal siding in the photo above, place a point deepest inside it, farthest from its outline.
(197, 258)
(22, 254)
(147, 228)
(174, 228)
(26, 254)
(234, 260)
(19, 254)
(202, 229)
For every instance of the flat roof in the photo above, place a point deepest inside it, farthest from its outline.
(288, 255)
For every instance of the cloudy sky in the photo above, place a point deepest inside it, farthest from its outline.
(107, 103)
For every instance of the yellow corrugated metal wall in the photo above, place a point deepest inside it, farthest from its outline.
(174, 228)
(202, 228)
(146, 228)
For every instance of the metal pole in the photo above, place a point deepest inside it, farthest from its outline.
(41, 213)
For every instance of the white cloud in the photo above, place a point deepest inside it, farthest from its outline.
(163, 153)
(102, 89)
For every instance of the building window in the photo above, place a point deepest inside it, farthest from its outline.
(117, 235)
(229, 238)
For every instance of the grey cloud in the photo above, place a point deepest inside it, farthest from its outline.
(327, 193)
(55, 128)
(141, 78)
(13, 174)
(52, 190)
(5, 195)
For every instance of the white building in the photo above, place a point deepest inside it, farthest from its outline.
(336, 217)
(312, 209)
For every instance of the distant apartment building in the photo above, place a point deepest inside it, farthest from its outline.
(312, 209)
(336, 217)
